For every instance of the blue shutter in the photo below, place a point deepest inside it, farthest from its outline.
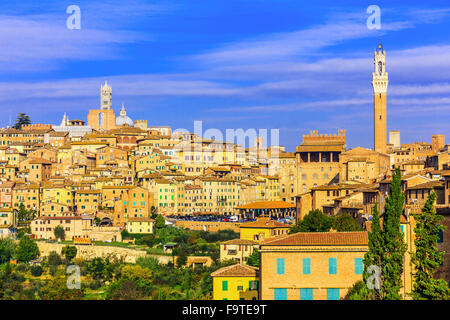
(359, 266)
(333, 294)
(280, 294)
(306, 266)
(332, 265)
(306, 294)
(280, 265)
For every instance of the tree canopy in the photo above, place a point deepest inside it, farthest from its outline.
(27, 250)
(427, 258)
(314, 221)
(22, 119)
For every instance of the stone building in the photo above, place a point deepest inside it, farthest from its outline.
(317, 159)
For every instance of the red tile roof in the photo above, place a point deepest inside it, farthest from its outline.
(264, 223)
(319, 238)
(236, 270)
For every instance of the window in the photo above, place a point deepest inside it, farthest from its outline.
(306, 294)
(332, 294)
(306, 266)
(358, 266)
(280, 294)
(253, 285)
(240, 288)
(224, 285)
(332, 266)
(280, 265)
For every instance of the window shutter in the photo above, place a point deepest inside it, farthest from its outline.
(306, 266)
(332, 266)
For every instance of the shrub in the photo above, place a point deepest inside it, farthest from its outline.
(21, 267)
(36, 270)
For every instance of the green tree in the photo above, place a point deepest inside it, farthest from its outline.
(345, 222)
(314, 221)
(100, 268)
(160, 222)
(358, 291)
(124, 289)
(56, 289)
(59, 232)
(373, 257)
(36, 270)
(187, 283)
(7, 250)
(69, 252)
(142, 276)
(427, 258)
(22, 119)
(27, 250)
(25, 215)
(253, 259)
(54, 259)
(394, 247)
(182, 258)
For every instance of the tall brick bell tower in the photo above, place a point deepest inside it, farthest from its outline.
(380, 83)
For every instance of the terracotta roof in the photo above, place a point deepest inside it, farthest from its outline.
(428, 185)
(267, 205)
(236, 270)
(60, 218)
(320, 238)
(141, 220)
(264, 223)
(240, 241)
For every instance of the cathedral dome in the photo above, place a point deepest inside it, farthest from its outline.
(123, 118)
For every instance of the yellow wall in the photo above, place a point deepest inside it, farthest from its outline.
(255, 233)
(232, 293)
(319, 279)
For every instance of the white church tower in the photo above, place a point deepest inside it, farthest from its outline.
(106, 97)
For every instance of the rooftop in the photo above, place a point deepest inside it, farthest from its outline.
(320, 238)
(236, 270)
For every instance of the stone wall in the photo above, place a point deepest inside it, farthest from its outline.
(89, 252)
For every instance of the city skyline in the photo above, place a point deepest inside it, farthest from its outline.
(230, 73)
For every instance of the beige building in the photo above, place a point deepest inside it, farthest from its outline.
(311, 266)
(237, 249)
(363, 165)
(318, 159)
(74, 226)
(140, 225)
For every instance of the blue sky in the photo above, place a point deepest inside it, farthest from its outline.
(295, 66)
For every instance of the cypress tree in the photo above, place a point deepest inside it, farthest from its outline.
(426, 257)
(394, 247)
(373, 257)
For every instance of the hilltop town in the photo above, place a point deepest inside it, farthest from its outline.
(110, 181)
